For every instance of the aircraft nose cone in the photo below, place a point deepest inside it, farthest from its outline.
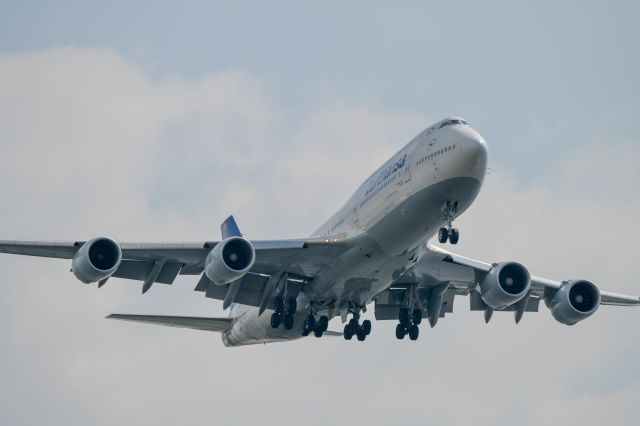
(474, 154)
(475, 149)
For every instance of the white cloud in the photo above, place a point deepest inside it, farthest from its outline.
(91, 145)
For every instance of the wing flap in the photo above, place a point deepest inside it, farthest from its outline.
(249, 293)
(196, 323)
(140, 270)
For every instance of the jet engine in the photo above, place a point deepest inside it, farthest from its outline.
(505, 284)
(575, 301)
(96, 260)
(229, 260)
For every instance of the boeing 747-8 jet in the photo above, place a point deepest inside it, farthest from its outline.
(373, 250)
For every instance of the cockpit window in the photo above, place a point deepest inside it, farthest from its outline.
(451, 122)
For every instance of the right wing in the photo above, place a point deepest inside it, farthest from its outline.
(197, 323)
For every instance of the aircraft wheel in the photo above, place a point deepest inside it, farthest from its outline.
(404, 316)
(417, 316)
(278, 305)
(318, 332)
(305, 330)
(414, 332)
(455, 236)
(353, 323)
(288, 321)
(311, 320)
(443, 235)
(275, 320)
(323, 323)
(292, 305)
(348, 332)
(400, 331)
(361, 335)
(366, 327)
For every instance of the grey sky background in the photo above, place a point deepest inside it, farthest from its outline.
(154, 121)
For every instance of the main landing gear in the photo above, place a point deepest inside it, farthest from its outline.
(318, 327)
(409, 321)
(449, 211)
(284, 309)
(354, 328)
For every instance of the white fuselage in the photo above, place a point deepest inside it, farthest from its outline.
(386, 224)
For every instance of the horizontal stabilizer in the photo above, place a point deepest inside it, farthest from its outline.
(197, 323)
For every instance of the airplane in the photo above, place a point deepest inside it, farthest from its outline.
(374, 250)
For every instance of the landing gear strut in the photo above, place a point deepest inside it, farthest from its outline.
(450, 233)
(354, 328)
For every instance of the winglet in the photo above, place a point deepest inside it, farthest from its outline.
(229, 228)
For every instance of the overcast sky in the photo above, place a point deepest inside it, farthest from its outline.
(153, 122)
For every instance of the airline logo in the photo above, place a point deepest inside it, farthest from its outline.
(386, 173)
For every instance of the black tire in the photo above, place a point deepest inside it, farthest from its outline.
(443, 235)
(400, 331)
(278, 305)
(417, 316)
(288, 321)
(414, 332)
(317, 332)
(361, 335)
(366, 327)
(353, 323)
(403, 316)
(275, 320)
(311, 320)
(292, 306)
(305, 330)
(323, 323)
(454, 237)
(348, 332)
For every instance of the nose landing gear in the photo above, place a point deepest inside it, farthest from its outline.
(450, 233)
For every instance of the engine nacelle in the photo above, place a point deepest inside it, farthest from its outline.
(229, 260)
(575, 301)
(505, 284)
(96, 260)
